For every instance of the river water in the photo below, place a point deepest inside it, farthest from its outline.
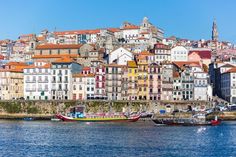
(45, 138)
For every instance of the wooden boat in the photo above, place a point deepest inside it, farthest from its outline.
(99, 118)
(196, 120)
(77, 114)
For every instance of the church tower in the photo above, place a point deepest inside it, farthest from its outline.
(214, 36)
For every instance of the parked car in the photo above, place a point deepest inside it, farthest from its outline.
(221, 107)
(232, 107)
(208, 111)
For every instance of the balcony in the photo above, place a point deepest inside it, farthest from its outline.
(40, 90)
(43, 81)
(30, 81)
(30, 90)
(167, 82)
(53, 81)
(109, 85)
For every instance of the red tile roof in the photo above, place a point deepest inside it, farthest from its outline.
(176, 74)
(232, 70)
(58, 46)
(26, 35)
(95, 31)
(18, 70)
(161, 46)
(46, 66)
(86, 69)
(1, 57)
(64, 60)
(146, 53)
(204, 54)
(16, 64)
(181, 64)
(144, 33)
(130, 26)
(114, 29)
(42, 38)
(54, 56)
(83, 75)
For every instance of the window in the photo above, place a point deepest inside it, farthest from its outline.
(32, 45)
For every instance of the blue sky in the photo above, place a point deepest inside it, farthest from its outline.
(183, 18)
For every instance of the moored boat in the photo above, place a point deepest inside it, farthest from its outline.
(99, 118)
(196, 120)
(78, 114)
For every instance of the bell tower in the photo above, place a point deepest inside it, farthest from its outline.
(214, 36)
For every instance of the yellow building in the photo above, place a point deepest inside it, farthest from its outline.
(132, 74)
(11, 81)
(11, 84)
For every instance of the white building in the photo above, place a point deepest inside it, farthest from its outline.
(90, 86)
(179, 53)
(37, 81)
(62, 71)
(162, 52)
(146, 33)
(79, 83)
(228, 85)
(120, 56)
(202, 89)
(130, 33)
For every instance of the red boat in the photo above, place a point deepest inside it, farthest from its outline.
(99, 118)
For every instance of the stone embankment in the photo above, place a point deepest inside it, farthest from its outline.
(44, 110)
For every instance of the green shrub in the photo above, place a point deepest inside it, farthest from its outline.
(11, 107)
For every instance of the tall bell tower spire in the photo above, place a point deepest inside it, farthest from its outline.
(214, 36)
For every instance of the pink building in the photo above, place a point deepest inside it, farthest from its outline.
(100, 82)
(154, 75)
(203, 56)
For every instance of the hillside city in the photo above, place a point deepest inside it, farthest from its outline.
(131, 62)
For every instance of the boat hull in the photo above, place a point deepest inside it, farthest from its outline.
(176, 123)
(98, 119)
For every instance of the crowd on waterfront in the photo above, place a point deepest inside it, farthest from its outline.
(133, 62)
